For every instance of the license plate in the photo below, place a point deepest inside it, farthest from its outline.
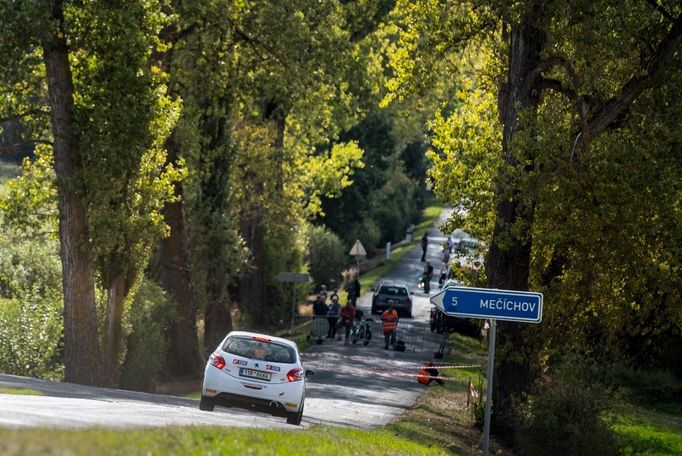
(260, 375)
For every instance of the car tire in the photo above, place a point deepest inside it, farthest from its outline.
(295, 417)
(207, 404)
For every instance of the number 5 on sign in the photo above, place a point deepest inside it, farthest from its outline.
(453, 301)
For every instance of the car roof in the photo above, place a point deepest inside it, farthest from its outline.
(272, 338)
(391, 283)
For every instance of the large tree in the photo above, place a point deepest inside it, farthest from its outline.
(107, 125)
(568, 78)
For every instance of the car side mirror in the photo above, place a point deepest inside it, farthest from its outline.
(373, 289)
(308, 373)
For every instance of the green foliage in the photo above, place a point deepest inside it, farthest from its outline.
(642, 432)
(326, 256)
(124, 118)
(148, 318)
(657, 389)
(31, 323)
(565, 417)
(31, 333)
(466, 157)
(318, 441)
(30, 203)
(383, 201)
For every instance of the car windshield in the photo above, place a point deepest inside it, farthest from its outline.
(260, 350)
(393, 291)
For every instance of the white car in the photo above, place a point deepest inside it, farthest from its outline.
(258, 372)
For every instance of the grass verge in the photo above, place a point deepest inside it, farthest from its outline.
(319, 440)
(21, 391)
(641, 431)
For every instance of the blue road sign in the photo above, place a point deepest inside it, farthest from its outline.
(511, 305)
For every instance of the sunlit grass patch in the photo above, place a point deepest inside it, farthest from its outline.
(318, 440)
(21, 391)
(644, 432)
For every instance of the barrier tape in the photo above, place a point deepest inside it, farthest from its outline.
(406, 367)
(381, 372)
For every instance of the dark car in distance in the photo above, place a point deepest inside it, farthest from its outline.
(388, 293)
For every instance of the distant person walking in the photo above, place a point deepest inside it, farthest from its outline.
(347, 318)
(389, 319)
(425, 244)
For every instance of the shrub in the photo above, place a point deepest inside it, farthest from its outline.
(566, 418)
(31, 322)
(326, 256)
(653, 388)
(148, 317)
(31, 328)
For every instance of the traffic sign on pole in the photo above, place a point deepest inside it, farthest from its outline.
(493, 304)
(295, 277)
(510, 305)
(358, 249)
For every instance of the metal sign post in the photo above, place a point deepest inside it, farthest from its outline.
(294, 278)
(489, 387)
(493, 304)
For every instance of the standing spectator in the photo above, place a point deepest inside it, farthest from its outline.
(353, 290)
(347, 318)
(333, 316)
(425, 244)
(446, 253)
(320, 306)
(323, 291)
(389, 320)
(426, 277)
(335, 293)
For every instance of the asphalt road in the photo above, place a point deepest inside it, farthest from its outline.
(359, 386)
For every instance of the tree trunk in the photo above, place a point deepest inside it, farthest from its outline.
(175, 277)
(217, 318)
(508, 262)
(112, 330)
(252, 284)
(216, 160)
(81, 345)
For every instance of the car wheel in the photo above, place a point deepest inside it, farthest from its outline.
(206, 403)
(295, 417)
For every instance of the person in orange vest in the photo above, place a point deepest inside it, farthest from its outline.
(389, 319)
(428, 374)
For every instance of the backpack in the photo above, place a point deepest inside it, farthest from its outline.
(400, 346)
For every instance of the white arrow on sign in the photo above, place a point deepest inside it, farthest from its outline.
(358, 249)
(437, 300)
